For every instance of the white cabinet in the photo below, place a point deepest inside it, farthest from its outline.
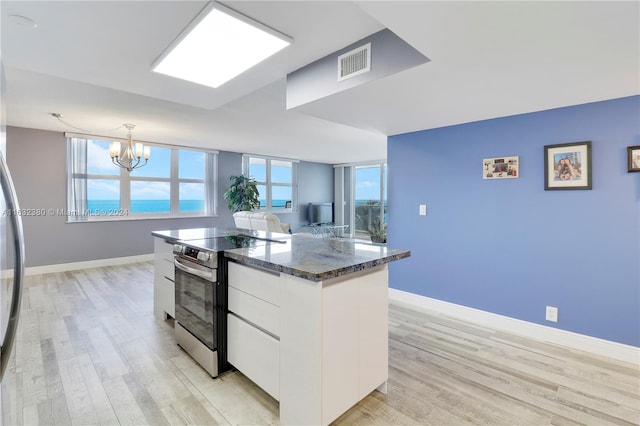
(333, 344)
(163, 278)
(255, 353)
(262, 284)
(317, 347)
(253, 325)
(255, 296)
(254, 310)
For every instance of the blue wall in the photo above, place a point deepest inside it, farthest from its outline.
(510, 247)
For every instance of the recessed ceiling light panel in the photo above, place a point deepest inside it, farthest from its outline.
(218, 45)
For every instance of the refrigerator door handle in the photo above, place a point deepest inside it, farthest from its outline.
(18, 269)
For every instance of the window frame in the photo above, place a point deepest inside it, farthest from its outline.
(382, 165)
(345, 190)
(269, 184)
(125, 179)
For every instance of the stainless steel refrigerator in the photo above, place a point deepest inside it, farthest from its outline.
(11, 270)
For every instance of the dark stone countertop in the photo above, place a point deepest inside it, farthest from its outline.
(316, 259)
(313, 259)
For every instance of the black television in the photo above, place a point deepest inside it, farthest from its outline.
(320, 213)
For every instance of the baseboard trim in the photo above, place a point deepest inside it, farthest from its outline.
(98, 263)
(594, 345)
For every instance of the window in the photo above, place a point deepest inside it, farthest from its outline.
(277, 181)
(175, 182)
(370, 196)
(362, 193)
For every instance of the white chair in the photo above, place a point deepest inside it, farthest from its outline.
(260, 221)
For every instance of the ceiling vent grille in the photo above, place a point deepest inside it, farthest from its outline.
(354, 62)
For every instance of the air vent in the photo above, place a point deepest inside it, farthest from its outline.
(354, 62)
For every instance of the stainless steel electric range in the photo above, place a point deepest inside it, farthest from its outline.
(201, 298)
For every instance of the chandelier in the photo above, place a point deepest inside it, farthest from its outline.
(129, 158)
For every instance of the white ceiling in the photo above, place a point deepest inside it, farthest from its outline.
(90, 61)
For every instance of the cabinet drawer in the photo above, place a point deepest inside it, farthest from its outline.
(165, 268)
(164, 297)
(257, 311)
(255, 354)
(261, 284)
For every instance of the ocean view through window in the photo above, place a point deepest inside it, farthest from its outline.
(148, 206)
(175, 182)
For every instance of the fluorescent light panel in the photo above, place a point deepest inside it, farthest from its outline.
(217, 46)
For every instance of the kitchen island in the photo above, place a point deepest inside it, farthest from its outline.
(308, 321)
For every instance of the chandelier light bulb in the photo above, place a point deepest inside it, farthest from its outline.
(131, 158)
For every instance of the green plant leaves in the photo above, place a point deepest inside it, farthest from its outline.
(243, 194)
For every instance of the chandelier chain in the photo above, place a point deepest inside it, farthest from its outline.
(59, 118)
(128, 158)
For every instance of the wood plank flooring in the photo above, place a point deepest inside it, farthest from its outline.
(90, 352)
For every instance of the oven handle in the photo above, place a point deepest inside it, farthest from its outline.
(207, 275)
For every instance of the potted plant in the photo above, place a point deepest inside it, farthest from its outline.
(243, 194)
(378, 231)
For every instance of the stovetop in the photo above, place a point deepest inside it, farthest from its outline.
(218, 244)
(208, 251)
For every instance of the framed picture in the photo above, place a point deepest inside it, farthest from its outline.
(633, 158)
(500, 168)
(567, 166)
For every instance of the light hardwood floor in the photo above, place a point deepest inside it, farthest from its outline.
(90, 352)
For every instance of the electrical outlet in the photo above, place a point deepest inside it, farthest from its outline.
(423, 209)
(552, 314)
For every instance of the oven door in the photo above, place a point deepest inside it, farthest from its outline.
(196, 299)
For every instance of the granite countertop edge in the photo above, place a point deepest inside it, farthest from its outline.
(167, 238)
(316, 276)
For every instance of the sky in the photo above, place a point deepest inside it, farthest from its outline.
(190, 166)
(367, 183)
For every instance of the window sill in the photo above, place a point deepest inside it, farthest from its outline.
(138, 216)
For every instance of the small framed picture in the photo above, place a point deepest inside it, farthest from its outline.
(633, 159)
(500, 168)
(567, 166)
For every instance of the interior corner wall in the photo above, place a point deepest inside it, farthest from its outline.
(508, 246)
(315, 184)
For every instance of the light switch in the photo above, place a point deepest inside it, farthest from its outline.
(423, 209)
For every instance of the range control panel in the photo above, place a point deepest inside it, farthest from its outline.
(193, 253)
